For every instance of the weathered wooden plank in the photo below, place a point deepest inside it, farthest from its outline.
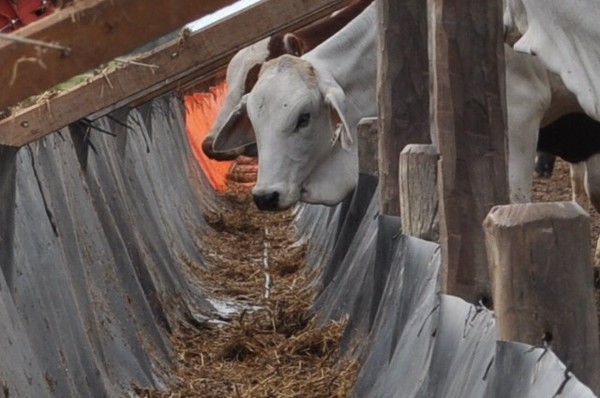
(93, 32)
(469, 123)
(201, 55)
(402, 90)
(542, 281)
(366, 130)
(418, 191)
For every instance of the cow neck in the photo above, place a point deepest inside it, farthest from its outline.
(349, 57)
(315, 33)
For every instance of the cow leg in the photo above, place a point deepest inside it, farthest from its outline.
(544, 164)
(528, 97)
(579, 194)
(592, 180)
(592, 187)
(522, 138)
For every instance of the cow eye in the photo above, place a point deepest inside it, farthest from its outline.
(303, 120)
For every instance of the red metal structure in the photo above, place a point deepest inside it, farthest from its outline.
(15, 14)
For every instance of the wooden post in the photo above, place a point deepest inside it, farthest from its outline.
(368, 156)
(469, 124)
(418, 191)
(542, 281)
(402, 90)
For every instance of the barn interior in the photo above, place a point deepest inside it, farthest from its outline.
(132, 265)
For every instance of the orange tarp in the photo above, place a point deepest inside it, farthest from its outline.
(201, 111)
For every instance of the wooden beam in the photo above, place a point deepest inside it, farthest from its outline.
(90, 32)
(291, 17)
(402, 90)
(469, 123)
(201, 55)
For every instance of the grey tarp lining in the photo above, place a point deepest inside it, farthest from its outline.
(93, 254)
(97, 230)
(353, 208)
(414, 342)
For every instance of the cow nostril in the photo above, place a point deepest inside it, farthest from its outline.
(267, 201)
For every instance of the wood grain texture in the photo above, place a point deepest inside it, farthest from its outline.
(94, 31)
(402, 90)
(469, 125)
(200, 56)
(542, 281)
(368, 152)
(418, 191)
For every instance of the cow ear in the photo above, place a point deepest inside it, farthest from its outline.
(237, 131)
(336, 99)
(293, 44)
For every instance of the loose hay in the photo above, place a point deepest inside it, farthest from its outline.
(273, 348)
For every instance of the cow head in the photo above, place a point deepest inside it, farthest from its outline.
(242, 74)
(305, 144)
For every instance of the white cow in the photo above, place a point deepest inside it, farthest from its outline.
(242, 70)
(562, 39)
(564, 36)
(564, 74)
(289, 107)
(304, 112)
(535, 97)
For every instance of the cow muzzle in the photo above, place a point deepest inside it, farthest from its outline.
(267, 200)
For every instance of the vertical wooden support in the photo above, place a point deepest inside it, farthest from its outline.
(542, 281)
(368, 152)
(402, 90)
(418, 191)
(469, 124)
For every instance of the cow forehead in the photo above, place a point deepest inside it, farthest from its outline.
(292, 64)
(281, 89)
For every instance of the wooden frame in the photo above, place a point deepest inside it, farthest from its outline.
(171, 66)
(87, 34)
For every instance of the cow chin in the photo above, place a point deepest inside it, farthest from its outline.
(280, 197)
(275, 198)
(332, 181)
(327, 198)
